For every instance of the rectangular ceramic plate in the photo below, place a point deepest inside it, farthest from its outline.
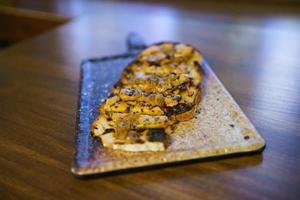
(219, 128)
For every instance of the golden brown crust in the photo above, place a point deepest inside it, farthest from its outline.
(159, 88)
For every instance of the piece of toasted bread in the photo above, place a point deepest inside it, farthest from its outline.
(161, 87)
(136, 140)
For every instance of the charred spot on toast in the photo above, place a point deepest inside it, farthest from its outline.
(129, 91)
(178, 109)
(128, 70)
(182, 86)
(157, 135)
(109, 130)
(135, 136)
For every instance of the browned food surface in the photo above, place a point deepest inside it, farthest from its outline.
(252, 47)
(157, 90)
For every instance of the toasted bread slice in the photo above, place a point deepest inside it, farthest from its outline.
(161, 87)
(142, 140)
(147, 146)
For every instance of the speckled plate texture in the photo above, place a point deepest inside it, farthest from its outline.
(219, 127)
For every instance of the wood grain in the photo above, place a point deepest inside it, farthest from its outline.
(19, 24)
(256, 59)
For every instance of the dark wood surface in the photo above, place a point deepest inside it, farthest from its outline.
(257, 59)
(19, 24)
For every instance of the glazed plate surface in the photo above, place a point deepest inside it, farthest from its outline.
(219, 127)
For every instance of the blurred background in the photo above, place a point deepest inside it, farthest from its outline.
(23, 19)
(253, 46)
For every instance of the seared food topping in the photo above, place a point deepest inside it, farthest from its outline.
(161, 87)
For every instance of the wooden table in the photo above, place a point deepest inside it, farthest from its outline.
(256, 57)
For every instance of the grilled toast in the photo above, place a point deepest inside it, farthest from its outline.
(160, 88)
